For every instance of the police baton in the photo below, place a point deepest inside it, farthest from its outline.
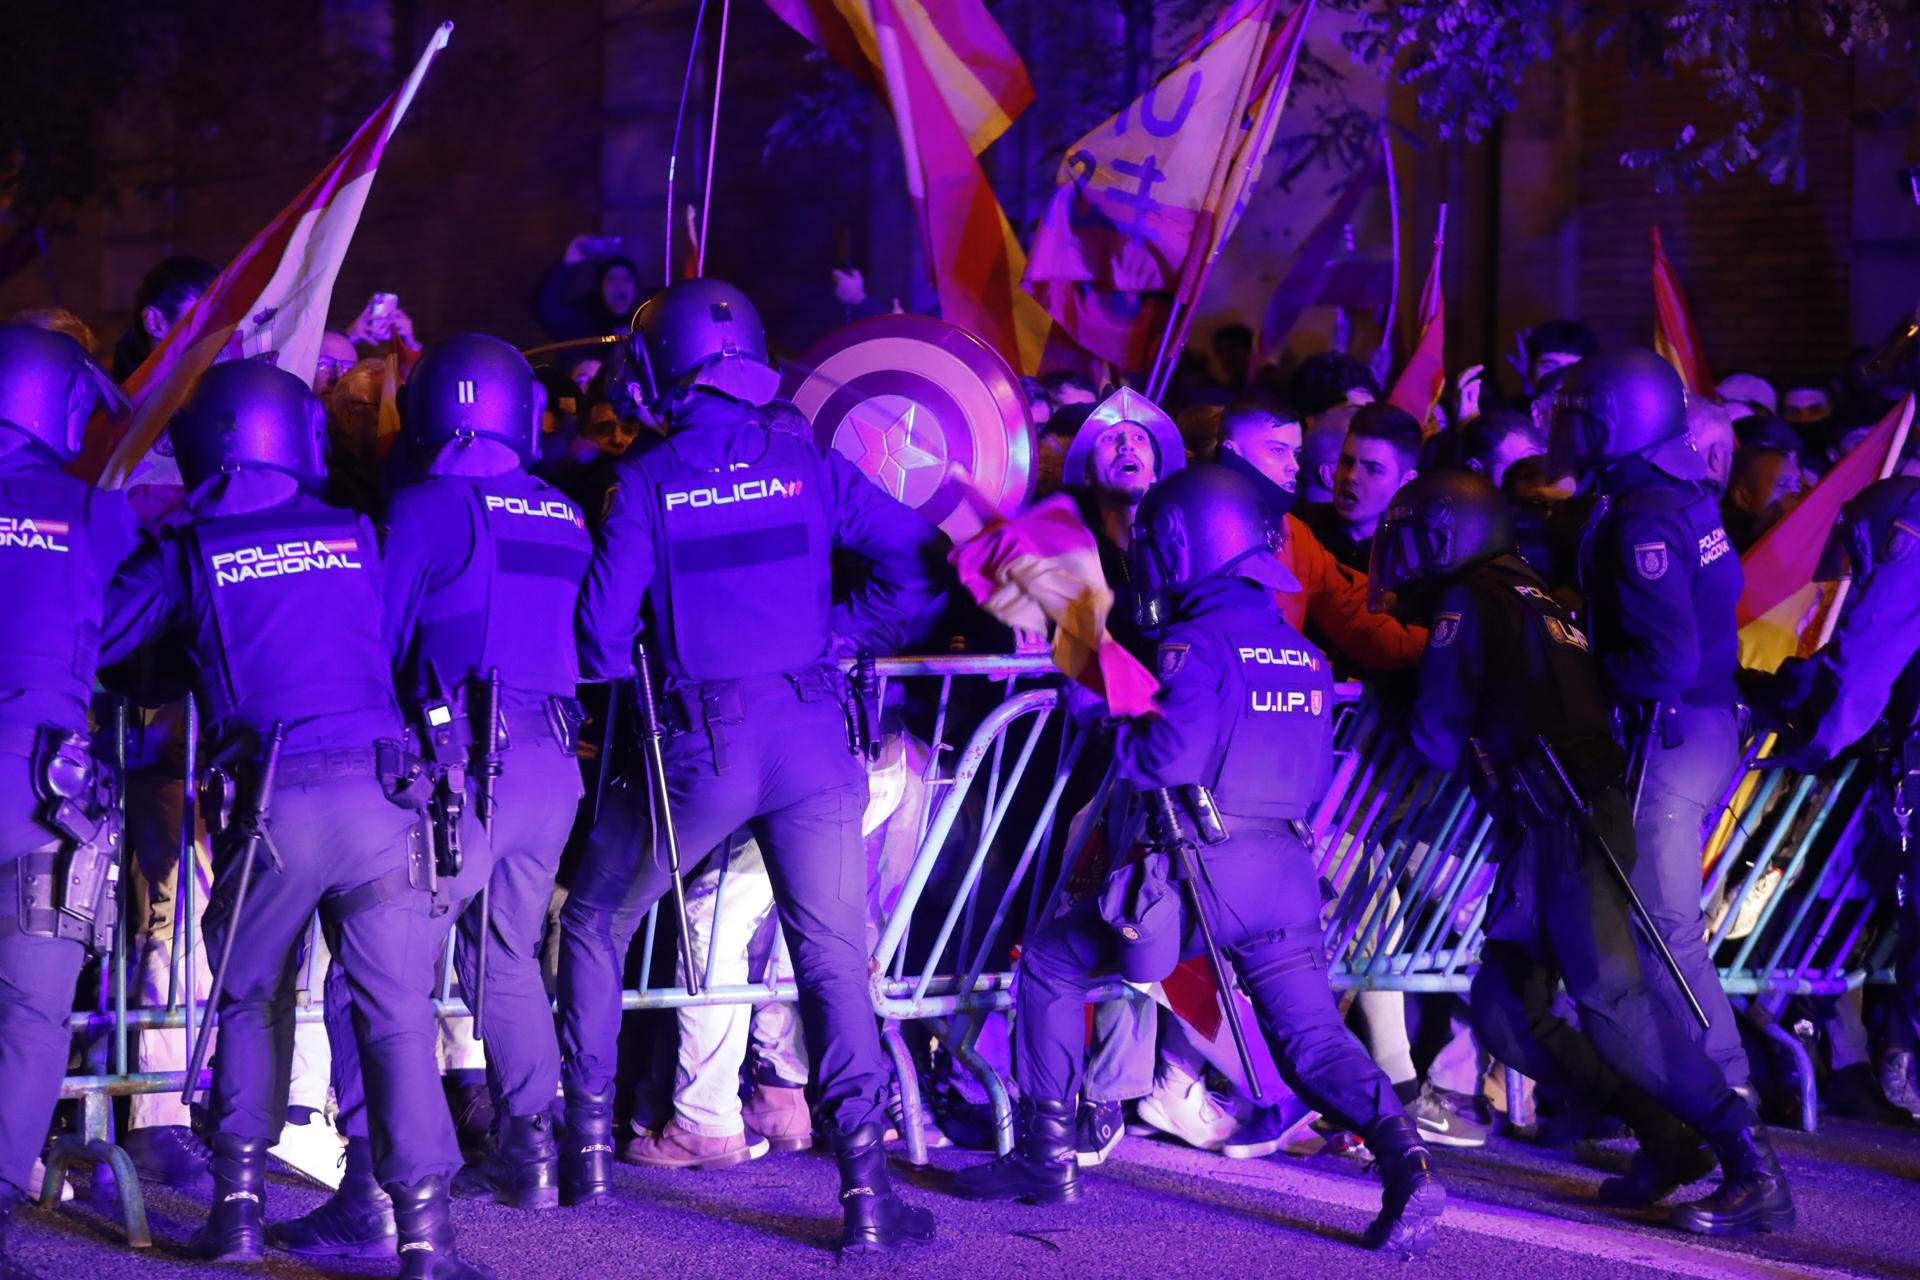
(1591, 829)
(254, 825)
(1165, 815)
(657, 768)
(486, 772)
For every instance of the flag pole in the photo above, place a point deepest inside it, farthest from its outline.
(1194, 271)
(1895, 448)
(1382, 362)
(673, 147)
(713, 141)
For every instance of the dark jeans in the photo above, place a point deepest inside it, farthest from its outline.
(790, 779)
(1559, 913)
(1264, 902)
(333, 837)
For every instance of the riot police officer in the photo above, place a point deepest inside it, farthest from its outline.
(719, 539)
(1863, 687)
(60, 542)
(482, 565)
(1510, 692)
(276, 599)
(1660, 582)
(1246, 713)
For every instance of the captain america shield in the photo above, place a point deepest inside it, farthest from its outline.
(929, 412)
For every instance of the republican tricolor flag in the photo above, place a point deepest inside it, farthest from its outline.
(270, 302)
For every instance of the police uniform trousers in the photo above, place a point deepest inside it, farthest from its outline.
(1558, 913)
(1680, 791)
(342, 849)
(37, 977)
(783, 770)
(1263, 897)
(536, 799)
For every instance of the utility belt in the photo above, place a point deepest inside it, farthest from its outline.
(1536, 793)
(69, 887)
(1197, 816)
(709, 706)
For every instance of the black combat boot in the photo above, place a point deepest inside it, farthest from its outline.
(12, 1200)
(1752, 1195)
(354, 1222)
(1669, 1157)
(874, 1217)
(586, 1149)
(1411, 1196)
(422, 1213)
(236, 1226)
(523, 1169)
(1042, 1168)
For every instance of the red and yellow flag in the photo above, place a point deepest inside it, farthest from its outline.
(1674, 336)
(954, 83)
(1147, 198)
(1419, 385)
(271, 301)
(1782, 606)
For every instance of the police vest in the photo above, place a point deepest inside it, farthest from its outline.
(1274, 758)
(288, 614)
(50, 627)
(743, 572)
(1548, 666)
(511, 605)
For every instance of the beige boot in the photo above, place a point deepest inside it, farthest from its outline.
(779, 1114)
(676, 1147)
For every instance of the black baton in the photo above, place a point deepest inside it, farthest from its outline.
(256, 831)
(656, 764)
(486, 772)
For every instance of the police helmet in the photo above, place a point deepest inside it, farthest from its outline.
(1202, 522)
(1438, 525)
(49, 387)
(246, 414)
(1880, 525)
(1616, 405)
(473, 386)
(701, 333)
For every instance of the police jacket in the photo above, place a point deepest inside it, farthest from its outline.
(483, 572)
(1871, 666)
(276, 598)
(1504, 664)
(1246, 708)
(61, 540)
(724, 534)
(1661, 581)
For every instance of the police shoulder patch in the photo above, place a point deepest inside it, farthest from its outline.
(1446, 628)
(1650, 560)
(1172, 658)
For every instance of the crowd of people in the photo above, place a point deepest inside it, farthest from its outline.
(508, 549)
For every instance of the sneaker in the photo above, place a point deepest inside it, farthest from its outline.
(313, 1150)
(1191, 1114)
(1440, 1124)
(779, 1114)
(1269, 1129)
(1897, 1081)
(677, 1147)
(1097, 1131)
(1854, 1092)
(930, 1130)
(169, 1155)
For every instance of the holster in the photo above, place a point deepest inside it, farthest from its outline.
(414, 783)
(564, 718)
(71, 887)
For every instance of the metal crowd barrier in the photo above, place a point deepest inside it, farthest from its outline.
(1406, 853)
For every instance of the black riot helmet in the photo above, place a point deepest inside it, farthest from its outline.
(1439, 525)
(1879, 525)
(701, 333)
(1201, 522)
(470, 387)
(248, 415)
(1617, 405)
(49, 387)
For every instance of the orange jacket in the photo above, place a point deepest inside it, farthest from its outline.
(1333, 600)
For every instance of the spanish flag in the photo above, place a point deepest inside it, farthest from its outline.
(269, 303)
(1673, 333)
(1419, 385)
(1782, 608)
(954, 84)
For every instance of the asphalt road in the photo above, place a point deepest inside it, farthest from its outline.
(1155, 1210)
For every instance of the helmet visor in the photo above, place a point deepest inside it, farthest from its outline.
(1576, 436)
(1398, 557)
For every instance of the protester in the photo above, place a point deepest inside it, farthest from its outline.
(1381, 453)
